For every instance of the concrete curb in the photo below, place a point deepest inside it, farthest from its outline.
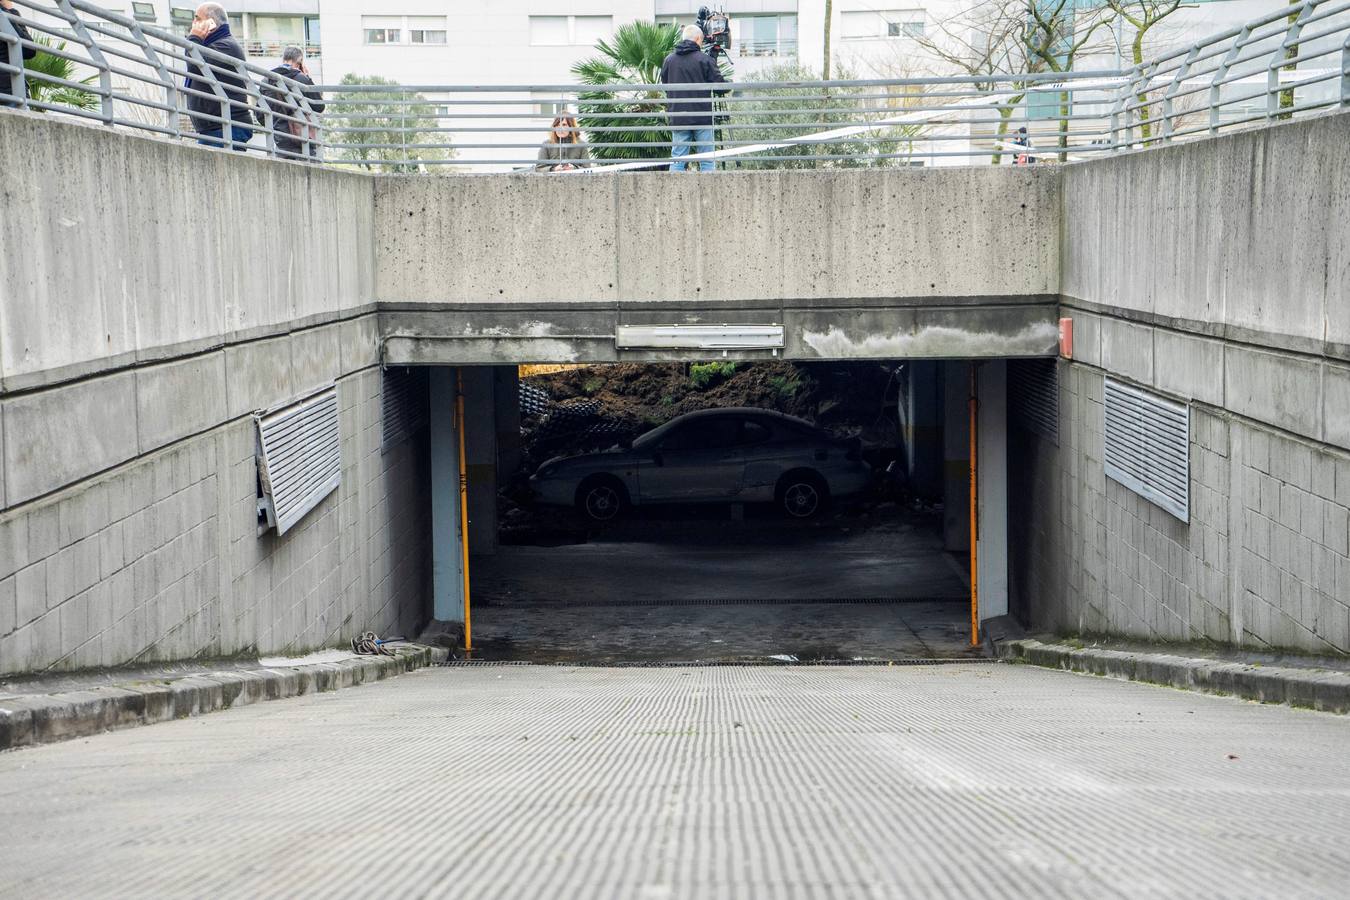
(1319, 689)
(46, 718)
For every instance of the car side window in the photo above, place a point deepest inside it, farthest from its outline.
(704, 434)
(754, 433)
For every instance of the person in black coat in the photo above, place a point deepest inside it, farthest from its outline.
(690, 111)
(211, 28)
(292, 135)
(6, 79)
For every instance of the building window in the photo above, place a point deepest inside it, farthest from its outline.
(181, 18)
(426, 29)
(278, 29)
(565, 31)
(910, 29)
(144, 12)
(880, 24)
(550, 109)
(764, 35)
(312, 30)
(587, 30)
(237, 26)
(382, 29)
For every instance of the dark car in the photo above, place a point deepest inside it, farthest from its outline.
(737, 455)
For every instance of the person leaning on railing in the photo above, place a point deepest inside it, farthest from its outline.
(564, 150)
(6, 80)
(211, 29)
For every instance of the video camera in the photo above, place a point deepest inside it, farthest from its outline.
(716, 28)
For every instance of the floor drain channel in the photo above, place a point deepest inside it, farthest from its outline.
(711, 663)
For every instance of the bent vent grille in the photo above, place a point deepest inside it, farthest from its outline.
(404, 404)
(299, 458)
(1033, 396)
(1147, 446)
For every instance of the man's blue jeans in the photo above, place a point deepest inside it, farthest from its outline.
(681, 138)
(212, 137)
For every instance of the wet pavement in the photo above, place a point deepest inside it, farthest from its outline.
(706, 633)
(699, 588)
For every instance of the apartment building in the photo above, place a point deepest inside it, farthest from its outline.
(264, 27)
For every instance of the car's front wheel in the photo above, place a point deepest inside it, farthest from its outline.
(802, 494)
(601, 499)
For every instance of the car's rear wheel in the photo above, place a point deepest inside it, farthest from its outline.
(802, 494)
(601, 499)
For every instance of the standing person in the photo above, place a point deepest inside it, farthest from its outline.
(291, 135)
(564, 150)
(211, 28)
(690, 112)
(7, 80)
(1024, 148)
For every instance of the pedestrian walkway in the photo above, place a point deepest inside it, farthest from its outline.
(531, 781)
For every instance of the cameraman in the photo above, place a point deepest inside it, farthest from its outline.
(690, 112)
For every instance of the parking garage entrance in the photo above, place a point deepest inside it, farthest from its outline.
(720, 512)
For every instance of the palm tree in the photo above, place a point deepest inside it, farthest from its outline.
(46, 66)
(633, 56)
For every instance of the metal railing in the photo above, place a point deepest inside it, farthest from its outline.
(1290, 63)
(122, 73)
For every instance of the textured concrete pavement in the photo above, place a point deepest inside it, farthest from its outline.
(971, 780)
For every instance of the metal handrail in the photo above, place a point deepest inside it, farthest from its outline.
(1288, 63)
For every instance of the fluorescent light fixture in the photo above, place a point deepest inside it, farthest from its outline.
(700, 337)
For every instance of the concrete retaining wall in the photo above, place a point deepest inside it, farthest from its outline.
(1243, 237)
(153, 295)
(1263, 561)
(160, 558)
(1214, 273)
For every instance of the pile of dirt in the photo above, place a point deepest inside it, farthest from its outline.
(582, 409)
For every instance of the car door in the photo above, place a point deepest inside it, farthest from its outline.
(699, 461)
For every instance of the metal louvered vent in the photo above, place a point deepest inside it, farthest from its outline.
(1148, 446)
(1033, 396)
(299, 458)
(404, 404)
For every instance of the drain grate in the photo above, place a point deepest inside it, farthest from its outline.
(700, 663)
(715, 601)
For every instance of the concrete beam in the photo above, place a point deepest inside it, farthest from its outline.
(744, 236)
(854, 328)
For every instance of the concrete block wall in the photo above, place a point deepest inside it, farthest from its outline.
(160, 558)
(1264, 560)
(152, 295)
(1214, 273)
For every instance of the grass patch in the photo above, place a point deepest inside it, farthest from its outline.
(703, 375)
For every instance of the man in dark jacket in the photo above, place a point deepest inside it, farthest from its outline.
(211, 28)
(293, 132)
(6, 79)
(690, 111)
